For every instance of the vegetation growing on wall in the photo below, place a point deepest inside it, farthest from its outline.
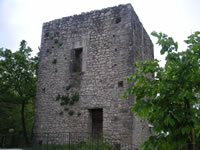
(69, 99)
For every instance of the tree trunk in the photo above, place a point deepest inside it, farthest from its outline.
(191, 144)
(23, 123)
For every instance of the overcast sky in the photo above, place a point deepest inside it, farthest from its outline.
(22, 19)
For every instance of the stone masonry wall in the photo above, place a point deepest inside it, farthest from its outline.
(112, 40)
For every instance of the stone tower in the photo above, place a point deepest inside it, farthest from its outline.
(84, 62)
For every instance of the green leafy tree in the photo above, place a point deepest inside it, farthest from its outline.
(169, 97)
(18, 79)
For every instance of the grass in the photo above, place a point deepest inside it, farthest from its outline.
(91, 145)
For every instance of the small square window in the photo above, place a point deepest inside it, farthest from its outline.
(118, 20)
(120, 84)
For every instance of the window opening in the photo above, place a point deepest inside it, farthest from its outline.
(118, 20)
(120, 84)
(77, 63)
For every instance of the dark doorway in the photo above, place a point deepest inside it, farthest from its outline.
(97, 122)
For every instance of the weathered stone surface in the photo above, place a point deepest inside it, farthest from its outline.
(112, 40)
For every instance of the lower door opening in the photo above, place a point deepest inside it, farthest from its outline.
(97, 122)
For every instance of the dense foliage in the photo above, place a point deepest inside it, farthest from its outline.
(169, 97)
(18, 76)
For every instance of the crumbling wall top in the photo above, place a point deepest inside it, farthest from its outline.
(96, 13)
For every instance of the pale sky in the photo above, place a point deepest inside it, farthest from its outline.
(23, 19)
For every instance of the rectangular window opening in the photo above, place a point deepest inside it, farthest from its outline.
(77, 61)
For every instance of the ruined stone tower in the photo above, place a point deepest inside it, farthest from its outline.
(84, 62)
